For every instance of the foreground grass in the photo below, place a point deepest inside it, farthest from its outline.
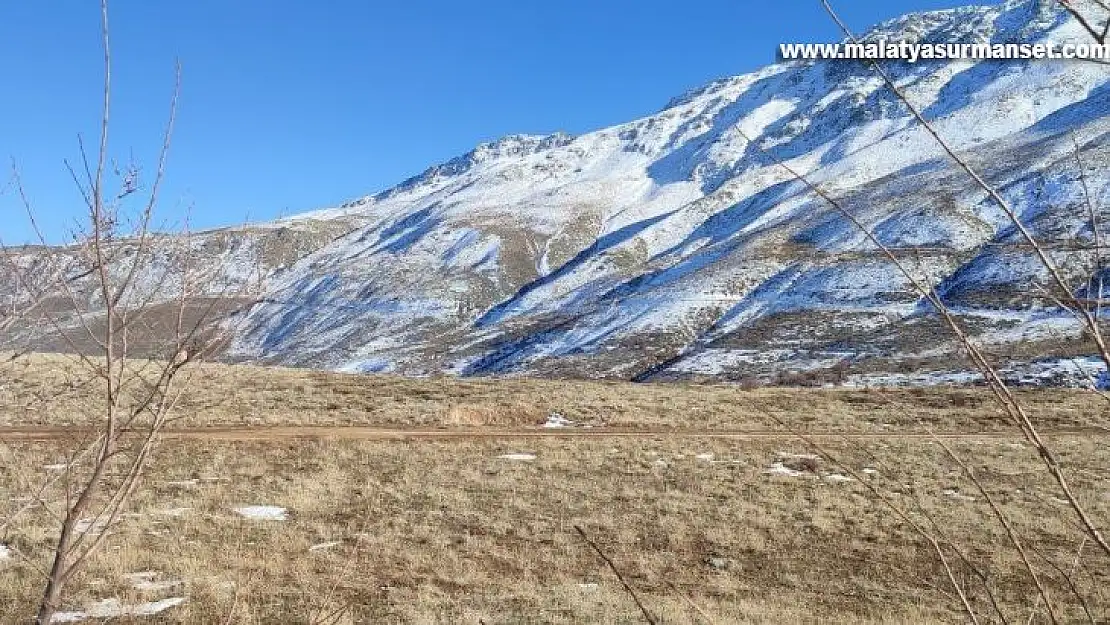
(432, 532)
(450, 532)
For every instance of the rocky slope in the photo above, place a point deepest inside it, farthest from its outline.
(671, 247)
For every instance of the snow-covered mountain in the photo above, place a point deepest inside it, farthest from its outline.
(672, 247)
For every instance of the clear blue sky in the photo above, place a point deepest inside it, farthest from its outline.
(291, 105)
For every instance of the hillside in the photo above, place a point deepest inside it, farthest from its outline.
(672, 247)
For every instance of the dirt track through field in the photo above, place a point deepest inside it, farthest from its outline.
(283, 433)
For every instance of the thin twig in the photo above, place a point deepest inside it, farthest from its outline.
(690, 602)
(1015, 409)
(613, 567)
(937, 547)
(1092, 216)
(1003, 520)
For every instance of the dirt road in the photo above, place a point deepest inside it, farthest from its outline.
(282, 433)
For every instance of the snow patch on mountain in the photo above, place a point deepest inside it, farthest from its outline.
(675, 242)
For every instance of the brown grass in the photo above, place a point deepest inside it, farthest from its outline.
(447, 532)
(50, 390)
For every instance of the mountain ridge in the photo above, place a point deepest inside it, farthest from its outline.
(672, 247)
(680, 224)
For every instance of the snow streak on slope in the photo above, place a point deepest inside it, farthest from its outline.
(630, 250)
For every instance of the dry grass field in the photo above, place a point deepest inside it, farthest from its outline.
(54, 390)
(479, 527)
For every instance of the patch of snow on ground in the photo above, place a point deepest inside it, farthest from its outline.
(56, 467)
(1043, 328)
(520, 457)
(556, 420)
(5, 552)
(263, 513)
(955, 494)
(112, 608)
(779, 468)
(1077, 372)
(838, 478)
(715, 361)
(705, 457)
(324, 546)
(925, 378)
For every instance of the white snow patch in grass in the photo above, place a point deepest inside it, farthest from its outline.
(838, 478)
(56, 467)
(955, 494)
(927, 378)
(779, 468)
(112, 608)
(519, 457)
(263, 513)
(5, 552)
(715, 361)
(705, 457)
(1044, 328)
(556, 420)
(324, 546)
(1078, 372)
(870, 471)
(184, 483)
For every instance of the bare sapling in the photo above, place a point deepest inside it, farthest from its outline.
(137, 313)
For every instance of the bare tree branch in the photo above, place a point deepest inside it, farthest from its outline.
(1016, 411)
(613, 567)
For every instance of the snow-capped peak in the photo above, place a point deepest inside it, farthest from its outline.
(675, 245)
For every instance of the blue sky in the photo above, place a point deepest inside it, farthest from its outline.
(288, 106)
